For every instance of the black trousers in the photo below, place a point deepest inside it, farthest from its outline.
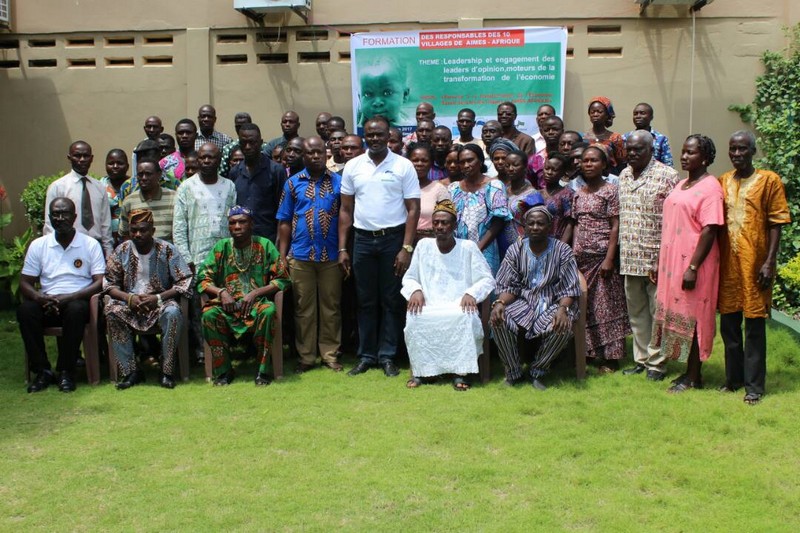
(72, 318)
(745, 359)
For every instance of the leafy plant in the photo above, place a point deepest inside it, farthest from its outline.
(786, 296)
(33, 198)
(12, 255)
(775, 114)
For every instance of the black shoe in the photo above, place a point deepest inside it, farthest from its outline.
(360, 368)
(508, 382)
(80, 362)
(224, 379)
(167, 381)
(262, 379)
(655, 375)
(44, 379)
(638, 369)
(390, 369)
(679, 379)
(134, 378)
(65, 382)
(729, 388)
(538, 385)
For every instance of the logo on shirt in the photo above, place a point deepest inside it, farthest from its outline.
(78, 263)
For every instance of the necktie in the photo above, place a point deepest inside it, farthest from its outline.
(87, 218)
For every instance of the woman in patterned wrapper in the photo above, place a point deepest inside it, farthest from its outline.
(481, 205)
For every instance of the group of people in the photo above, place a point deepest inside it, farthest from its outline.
(409, 235)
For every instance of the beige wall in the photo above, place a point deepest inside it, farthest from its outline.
(167, 58)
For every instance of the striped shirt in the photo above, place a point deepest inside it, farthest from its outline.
(162, 207)
(539, 283)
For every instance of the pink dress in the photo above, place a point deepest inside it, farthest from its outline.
(679, 313)
(429, 195)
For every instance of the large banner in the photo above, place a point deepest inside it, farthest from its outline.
(452, 69)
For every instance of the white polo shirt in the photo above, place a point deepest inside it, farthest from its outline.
(64, 271)
(380, 190)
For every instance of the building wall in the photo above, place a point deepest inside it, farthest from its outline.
(95, 69)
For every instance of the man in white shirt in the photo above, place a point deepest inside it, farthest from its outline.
(69, 266)
(380, 198)
(93, 213)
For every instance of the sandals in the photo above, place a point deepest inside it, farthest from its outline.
(460, 384)
(413, 383)
(752, 398)
(683, 385)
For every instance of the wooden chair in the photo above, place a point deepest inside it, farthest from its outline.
(277, 341)
(578, 332)
(90, 348)
(183, 345)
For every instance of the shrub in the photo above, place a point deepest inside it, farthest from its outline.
(775, 114)
(33, 198)
(786, 296)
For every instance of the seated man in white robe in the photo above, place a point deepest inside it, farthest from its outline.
(446, 281)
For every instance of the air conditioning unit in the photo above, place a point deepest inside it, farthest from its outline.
(259, 8)
(4, 14)
(695, 5)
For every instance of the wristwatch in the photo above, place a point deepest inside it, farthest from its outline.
(408, 248)
(693, 268)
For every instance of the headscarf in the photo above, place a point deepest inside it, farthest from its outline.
(240, 210)
(606, 102)
(138, 216)
(502, 144)
(446, 206)
(534, 203)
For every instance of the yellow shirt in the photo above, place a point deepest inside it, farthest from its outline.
(752, 205)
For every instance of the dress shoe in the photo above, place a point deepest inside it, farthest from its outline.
(360, 368)
(390, 369)
(538, 385)
(508, 382)
(167, 381)
(655, 375)
(638, 369)
(262, 379)
(44, 379)
(65, 382)
(224, 379)
(302, 368)
(134, 378)
(334, 365)
(729, 388)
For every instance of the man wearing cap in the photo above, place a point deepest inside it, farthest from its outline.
(68, 267)
(144, 278)
(380, 198)
(88, 196)
(240, 275)
(446, 281)
(538, 291)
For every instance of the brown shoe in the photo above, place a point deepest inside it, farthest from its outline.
(302, 368)
(334, 365)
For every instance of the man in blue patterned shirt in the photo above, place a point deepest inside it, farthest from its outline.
(308, 243)
(642, 117)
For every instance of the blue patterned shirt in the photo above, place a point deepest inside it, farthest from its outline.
(661, 150)
(313, 209)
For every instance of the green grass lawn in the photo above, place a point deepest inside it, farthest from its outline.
(324, 451)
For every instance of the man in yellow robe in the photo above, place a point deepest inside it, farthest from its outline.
(755, 210)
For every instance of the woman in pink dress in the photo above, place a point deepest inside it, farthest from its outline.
(688, 265)
(431, 192)
(595, 208)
